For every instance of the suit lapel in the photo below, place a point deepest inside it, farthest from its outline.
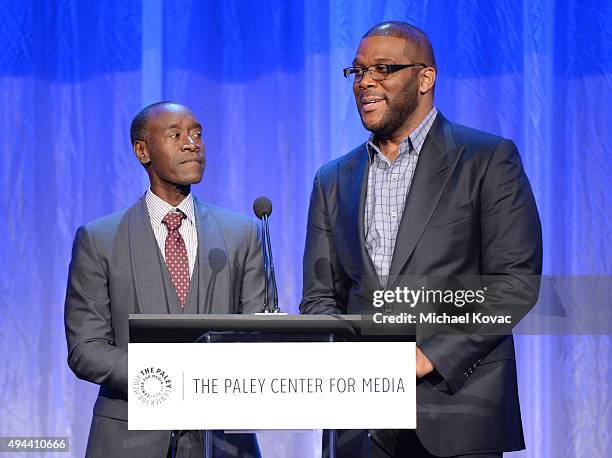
(213, 276)
(145, 259)
(352, 188)
(438, 158)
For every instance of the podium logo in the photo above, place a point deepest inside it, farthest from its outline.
(152, 386)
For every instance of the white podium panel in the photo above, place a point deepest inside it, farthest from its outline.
(317, 385)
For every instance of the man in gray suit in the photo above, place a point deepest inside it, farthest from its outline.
(168, 253)
(426, 197)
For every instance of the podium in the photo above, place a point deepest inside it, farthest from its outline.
(250, 366)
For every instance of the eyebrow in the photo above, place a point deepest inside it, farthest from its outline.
(196, 125)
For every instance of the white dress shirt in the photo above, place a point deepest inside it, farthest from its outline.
(158, 209)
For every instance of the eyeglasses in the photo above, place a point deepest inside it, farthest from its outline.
(378, 72)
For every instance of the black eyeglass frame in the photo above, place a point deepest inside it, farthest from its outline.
(360, 72)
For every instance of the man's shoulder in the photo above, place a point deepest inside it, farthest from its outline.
(224, 216)
(329, 169)
(103, 232)
(105, 224)
(470, 136)
(109, 226)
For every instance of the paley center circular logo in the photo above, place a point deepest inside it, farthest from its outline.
(152, 386)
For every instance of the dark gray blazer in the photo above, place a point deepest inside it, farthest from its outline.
(116, 270)
(470, 211)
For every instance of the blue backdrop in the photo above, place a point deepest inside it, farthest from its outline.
(265, 79)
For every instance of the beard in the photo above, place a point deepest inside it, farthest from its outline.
(398, 110)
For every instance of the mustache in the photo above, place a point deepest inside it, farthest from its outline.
(363, 94)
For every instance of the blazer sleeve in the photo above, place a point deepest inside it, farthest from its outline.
(510, 259)
(92, 355)
(325, 283)
(253, 286)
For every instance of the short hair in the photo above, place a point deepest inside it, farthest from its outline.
(140, 123)
(412, 34)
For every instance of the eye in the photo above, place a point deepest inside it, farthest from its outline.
(174, 135)
(196, 135)
(381, 68)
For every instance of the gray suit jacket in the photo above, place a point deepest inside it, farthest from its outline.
(470, 211)
(116, 270)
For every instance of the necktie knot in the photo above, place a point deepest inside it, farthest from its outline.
(173, 220)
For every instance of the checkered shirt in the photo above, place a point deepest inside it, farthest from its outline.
(388, 185)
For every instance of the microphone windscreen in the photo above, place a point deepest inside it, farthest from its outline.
(262, 206)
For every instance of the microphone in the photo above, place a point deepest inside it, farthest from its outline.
(262, 207)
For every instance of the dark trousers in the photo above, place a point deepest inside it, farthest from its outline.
(385, 444)
(190, 444)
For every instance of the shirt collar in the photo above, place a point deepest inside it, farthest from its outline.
(159, 208)
(413, 142)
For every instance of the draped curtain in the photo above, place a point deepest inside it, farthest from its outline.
(265, 78)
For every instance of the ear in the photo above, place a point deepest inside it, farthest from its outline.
(427, 79)
(141, 150)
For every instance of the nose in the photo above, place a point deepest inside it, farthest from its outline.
(191, 144)
(367, 81)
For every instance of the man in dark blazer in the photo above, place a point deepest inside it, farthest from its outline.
(426, 197)
(135, 261)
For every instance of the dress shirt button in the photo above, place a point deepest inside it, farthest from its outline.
(394, 214)
(394, 176)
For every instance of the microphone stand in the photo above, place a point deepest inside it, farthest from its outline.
(264, 244)
(275, 308)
